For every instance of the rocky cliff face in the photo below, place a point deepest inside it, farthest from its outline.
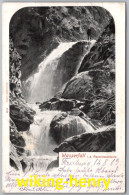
(69, 64)
(102, 55)
(21, 116)
(34, 29)
(20, 113)
(96, 79)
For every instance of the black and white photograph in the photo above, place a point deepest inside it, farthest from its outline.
(64, 93)
(62, 83)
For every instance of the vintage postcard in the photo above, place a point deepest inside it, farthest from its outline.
(63, 73)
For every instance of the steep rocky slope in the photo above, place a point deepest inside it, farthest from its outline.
(102, 55)
(21, 116)
(96, 80)
(34, 29)
(20, 113)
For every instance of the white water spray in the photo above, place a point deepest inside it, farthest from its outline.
(41, 82)
(38, 141)
(41, 87)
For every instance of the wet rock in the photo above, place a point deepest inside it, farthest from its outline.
(76, 112)
(53, 164)
(64, 105)
(86, 106)
(79, 87)
(58, 104)
(99, 141)
(69, 64)
(89, 85)
(13, 164)
(22, 116)
(54, 99)
(16, 139)
(17, 147)
(96, 80)
(95, 88)
(45, 106)
(64, 125)
(20, 113)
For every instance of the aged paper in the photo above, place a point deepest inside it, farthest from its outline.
(63, 70)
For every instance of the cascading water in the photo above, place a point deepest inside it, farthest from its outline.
(41, 82)
(39, 130)
(39, 143)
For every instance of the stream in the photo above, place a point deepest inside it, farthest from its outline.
(38, 141)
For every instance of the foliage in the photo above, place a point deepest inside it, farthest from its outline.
(105, 110)
(15, 72)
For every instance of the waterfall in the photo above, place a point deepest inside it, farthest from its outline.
(41, 82)
(38, 140)
(42, 85)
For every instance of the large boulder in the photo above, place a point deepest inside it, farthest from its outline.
(79, 87)
(98, 141)
(64, 105)
(22, 116)
(17, 148)
(89, 85)
(58, 104)
(64, 125)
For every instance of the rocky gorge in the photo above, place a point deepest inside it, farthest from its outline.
(62, 85)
